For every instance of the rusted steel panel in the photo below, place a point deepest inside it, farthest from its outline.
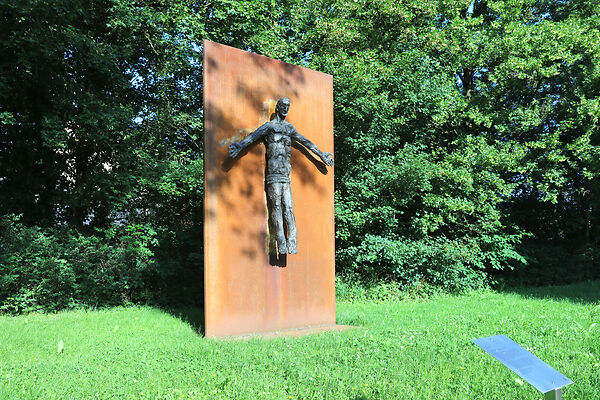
(246, 290)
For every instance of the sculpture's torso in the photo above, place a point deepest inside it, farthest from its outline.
(278, 143)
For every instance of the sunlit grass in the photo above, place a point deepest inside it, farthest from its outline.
(403, 350)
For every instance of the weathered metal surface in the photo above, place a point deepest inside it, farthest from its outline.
(246, 290)
(539, 374)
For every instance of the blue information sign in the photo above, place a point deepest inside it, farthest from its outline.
(539, 374)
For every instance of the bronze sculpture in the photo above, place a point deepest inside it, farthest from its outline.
(278, 136)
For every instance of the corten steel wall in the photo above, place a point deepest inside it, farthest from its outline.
(245, 291)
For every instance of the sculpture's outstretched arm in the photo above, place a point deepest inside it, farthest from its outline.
(326, 157)
(236, 147)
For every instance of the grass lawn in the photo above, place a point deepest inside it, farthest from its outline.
(403, 350)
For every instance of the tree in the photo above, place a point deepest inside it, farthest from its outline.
(489, 107)
(466, 136)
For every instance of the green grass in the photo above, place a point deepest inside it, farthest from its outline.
(403, 350)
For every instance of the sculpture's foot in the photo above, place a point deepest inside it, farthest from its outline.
(292, 247)
(282, 247)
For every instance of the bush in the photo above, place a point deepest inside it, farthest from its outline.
(56, 268)
(418, 218)
(351, 289)
(448, 265)
(553, 264)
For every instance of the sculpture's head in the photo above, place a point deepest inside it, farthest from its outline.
(282, 107)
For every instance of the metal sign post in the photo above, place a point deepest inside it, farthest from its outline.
(555, 394)
(533, 370)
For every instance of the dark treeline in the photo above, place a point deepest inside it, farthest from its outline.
(467, 140)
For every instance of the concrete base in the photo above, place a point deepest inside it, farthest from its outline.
(296, 332)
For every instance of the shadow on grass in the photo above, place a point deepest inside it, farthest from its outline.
(582, 292)
(192, 315)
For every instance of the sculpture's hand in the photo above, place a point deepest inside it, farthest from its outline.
(327, 158)
(234, 149)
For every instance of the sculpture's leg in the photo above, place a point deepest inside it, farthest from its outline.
(288, 212)
(274, 191)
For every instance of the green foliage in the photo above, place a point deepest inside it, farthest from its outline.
(436, 218)
(52, 269)
(461, 129)
(34, 274)
(349, 289)
(551, 263)
(100, 120)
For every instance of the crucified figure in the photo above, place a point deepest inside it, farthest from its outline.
(278, 135)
